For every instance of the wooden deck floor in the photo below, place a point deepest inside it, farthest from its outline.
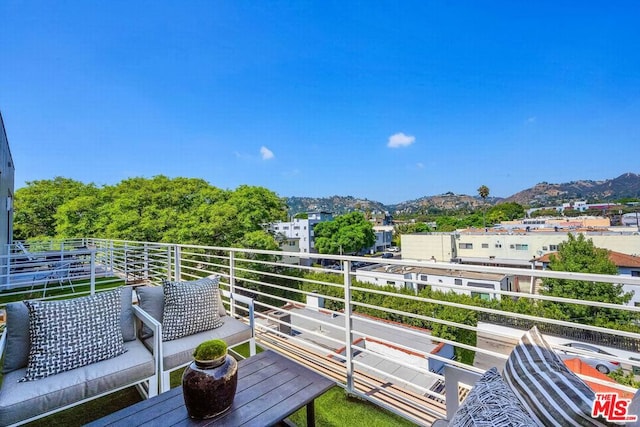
(421, 409)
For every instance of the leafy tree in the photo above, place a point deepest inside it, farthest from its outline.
(160, 209)
(483, 192)
(400, 229)
(347, 233)
(624, 378)
(37, 203)
(578, 254)
(80, 216)
(544, 212)
(505, 212)
(451, 223)
(150, 210)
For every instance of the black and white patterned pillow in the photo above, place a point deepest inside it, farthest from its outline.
(68, 334)
(491, 403)
(548, 390)
(190, 307)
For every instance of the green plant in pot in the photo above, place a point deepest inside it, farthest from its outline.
(210, 352)
(209, 383)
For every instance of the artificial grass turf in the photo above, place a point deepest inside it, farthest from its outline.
(337, 408)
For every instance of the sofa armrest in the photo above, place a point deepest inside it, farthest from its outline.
(453, 377)
(155, 326)
(3, 342)
(244, 300)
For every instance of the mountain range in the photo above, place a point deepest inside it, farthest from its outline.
(543, 194)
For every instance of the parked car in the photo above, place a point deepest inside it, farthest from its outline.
(602, 365)
(393, 249)
(387, 255)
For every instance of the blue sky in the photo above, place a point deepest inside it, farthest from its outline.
(385, 100)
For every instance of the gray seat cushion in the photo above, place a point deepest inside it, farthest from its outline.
(22, 400)
(179, 352)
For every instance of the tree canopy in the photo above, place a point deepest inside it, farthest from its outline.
(347, 233)
(579, 254)
(36, 204)
(158, 209)
(507, 211)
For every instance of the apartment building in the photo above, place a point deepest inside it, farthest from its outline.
(300, 230)
(506, 248)
(416, 278)
(7, 172)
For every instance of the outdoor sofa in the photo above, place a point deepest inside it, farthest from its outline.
(58, 354)
(188, 313)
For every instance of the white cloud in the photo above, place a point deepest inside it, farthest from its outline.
(291, 173)
(532, 119)
(420, 165)
(400, 140)
(266, 153)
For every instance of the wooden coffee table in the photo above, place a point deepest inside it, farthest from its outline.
(270, 388)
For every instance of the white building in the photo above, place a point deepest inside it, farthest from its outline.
(384, 234)
(631, 219)
(508, 248)
(461, 282)
(301, 229)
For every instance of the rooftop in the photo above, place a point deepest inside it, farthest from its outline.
(398, 341)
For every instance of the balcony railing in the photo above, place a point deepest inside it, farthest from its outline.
(388, 353)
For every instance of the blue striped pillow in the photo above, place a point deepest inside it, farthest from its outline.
(548, 390)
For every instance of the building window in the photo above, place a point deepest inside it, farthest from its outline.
(522, 247)
(466, 246)
(286, 227)
(544, 248)
(553, 247)
(498, 245)
(481, 295)
(458, 282)
(391, 282)
(423, 277)
(296, 227)
(485, 246)
(635, 274)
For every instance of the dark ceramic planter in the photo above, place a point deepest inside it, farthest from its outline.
(209, 386)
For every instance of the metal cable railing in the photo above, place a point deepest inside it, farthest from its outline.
(374, 341)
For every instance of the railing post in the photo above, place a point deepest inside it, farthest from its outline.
(232, 280)
(126, 263)
(111, 257)
(176, 264)
(92, 274)
(168, 262)
(145, 274)
(348, 324)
